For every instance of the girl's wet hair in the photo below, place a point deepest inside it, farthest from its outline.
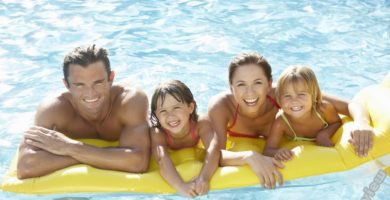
(247, 59)
(295, 74)
(177, 90)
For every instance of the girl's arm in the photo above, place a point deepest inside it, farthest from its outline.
(341, 105)
(271, 147)
(167, 169)
(210, 141)
(331, 116)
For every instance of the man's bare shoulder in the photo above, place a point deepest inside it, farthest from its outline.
(55, 108)
(132, 102)
(130, 96)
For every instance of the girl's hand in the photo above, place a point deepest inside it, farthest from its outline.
(201, 185)
(265, 170)
(284, 154)
(187, 189)
(323, 139)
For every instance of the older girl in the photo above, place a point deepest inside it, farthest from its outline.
(305, 116)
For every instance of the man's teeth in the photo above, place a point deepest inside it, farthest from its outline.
(91, 100)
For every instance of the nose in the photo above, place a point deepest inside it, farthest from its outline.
(90, 92)
(250, 90)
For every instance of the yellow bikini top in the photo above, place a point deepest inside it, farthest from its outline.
(298, 138)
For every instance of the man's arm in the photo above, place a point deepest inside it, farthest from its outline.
(33, 161)
(132, 155)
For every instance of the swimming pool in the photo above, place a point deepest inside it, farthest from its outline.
(346, 43)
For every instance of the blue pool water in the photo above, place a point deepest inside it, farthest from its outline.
(346, 42)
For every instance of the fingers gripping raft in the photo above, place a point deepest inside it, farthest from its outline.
(309, 160)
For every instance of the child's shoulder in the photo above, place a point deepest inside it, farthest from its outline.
(326, 105)
(154, 130)
(203, 120)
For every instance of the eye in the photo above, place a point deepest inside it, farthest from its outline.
(240, 84)
(176, 107)
(259, 82)
(162, 112)
(302, 94)
(78, 85)
(99, 83)
(287, 96)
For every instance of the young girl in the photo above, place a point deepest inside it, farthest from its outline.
(304, 115)
(175, 126)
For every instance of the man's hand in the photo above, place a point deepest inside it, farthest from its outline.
(48, 140)
(361, 138)
(265, 170)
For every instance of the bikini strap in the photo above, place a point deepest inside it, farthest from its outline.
(321, 118)
(192, 129)
(273, 101)
(234, 119)
(169, 137)
(289, 125)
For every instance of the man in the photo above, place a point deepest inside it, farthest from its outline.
(91, 108)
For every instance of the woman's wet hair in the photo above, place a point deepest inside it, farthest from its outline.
(294, 75)
(177, 90)
(248, 59)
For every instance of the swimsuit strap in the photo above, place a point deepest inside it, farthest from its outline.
(192, 132)
(235, 118)
(273, 101)
(169, 137)
(321, 118)
(289, 125)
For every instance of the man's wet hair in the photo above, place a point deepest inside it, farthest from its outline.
(85, 56)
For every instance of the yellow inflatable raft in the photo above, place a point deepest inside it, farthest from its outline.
(310, 160)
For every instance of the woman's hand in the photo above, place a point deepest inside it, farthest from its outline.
(265, 170)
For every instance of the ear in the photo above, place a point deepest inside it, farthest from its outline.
(192, 107)
(111, 77)
(270, 85)
(65, 83)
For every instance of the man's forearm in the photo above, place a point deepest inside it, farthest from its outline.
(112, 158)
(35, 163)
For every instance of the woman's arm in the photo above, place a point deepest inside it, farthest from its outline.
(263, 166)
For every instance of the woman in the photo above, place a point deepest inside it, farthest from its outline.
(249, 108)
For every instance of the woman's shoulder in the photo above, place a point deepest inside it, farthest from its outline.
(221, 100)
